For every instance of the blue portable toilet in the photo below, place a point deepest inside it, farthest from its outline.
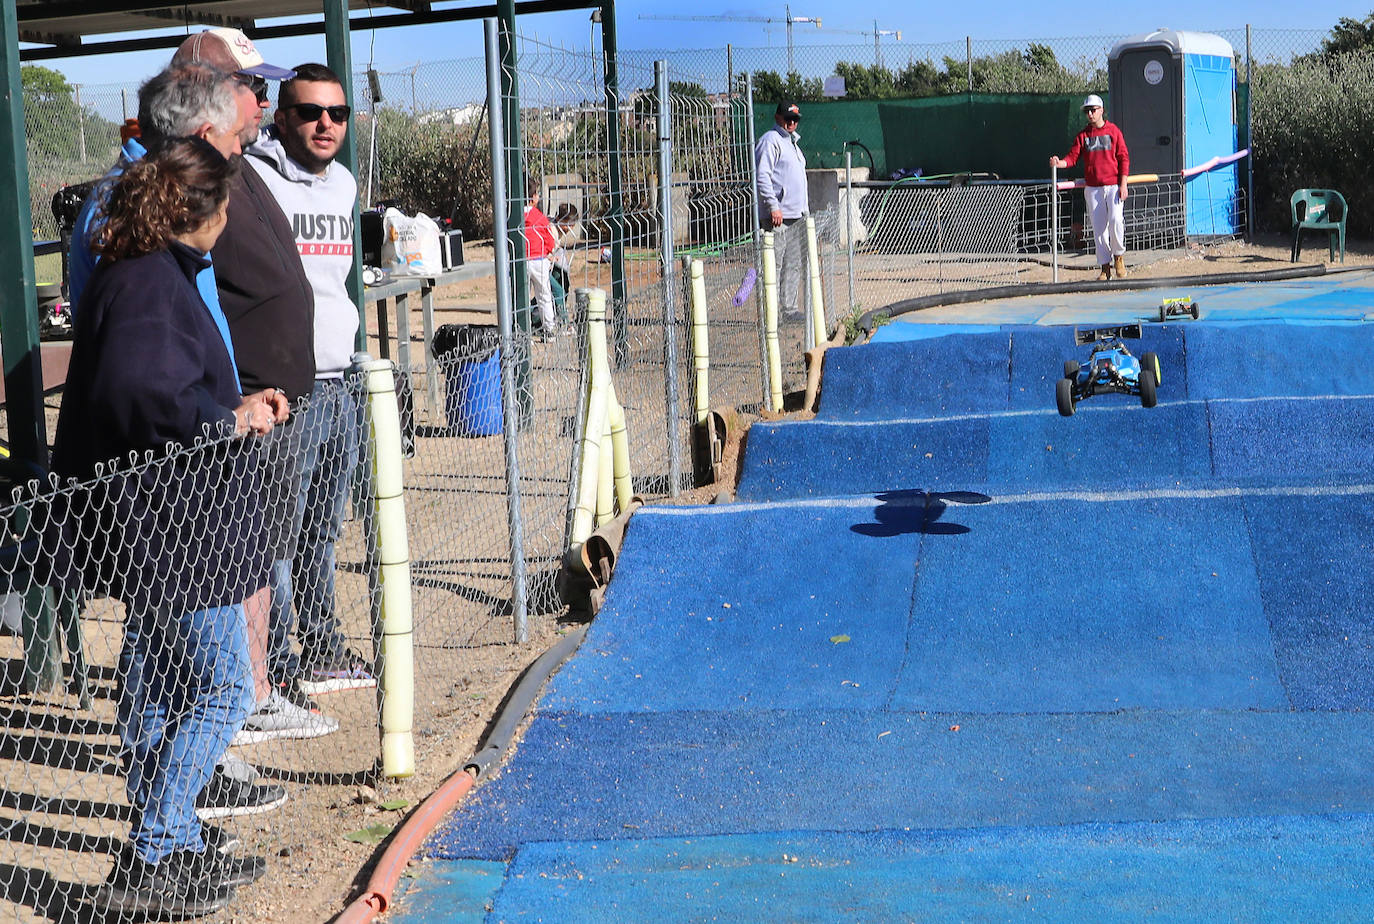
(1173, 94)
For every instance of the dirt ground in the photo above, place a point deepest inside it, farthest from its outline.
(314, 870)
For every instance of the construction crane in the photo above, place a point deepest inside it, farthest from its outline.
(725, 17)
(877, 35)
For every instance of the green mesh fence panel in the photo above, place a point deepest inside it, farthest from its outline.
(1012, 135)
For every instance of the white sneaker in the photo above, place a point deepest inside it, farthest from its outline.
(236, 768)
(278, 717)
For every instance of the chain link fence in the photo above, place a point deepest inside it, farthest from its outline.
(916, 237)
(429, 137)
(65, 745)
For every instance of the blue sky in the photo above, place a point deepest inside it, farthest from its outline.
(397, 49)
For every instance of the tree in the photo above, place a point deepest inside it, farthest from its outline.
(920, 78)
(687, 88)
(770, 88)
(1349, 35)
(867, 81)
(50, 113)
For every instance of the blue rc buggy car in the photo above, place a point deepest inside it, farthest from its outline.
(1110, 368)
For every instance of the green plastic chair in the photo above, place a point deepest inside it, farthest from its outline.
(1318, 210)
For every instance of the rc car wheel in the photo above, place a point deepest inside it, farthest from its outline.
(1071, 368)
(1151, 361)
(1163, 313)
(1147, 388)
(1193, 309)
(1063, 396)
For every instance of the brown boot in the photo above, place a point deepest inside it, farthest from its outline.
(1106, 273)
(1119, 263)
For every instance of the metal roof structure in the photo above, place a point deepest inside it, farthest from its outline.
(64, 28)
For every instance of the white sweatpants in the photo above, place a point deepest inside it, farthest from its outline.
(538, 273)
(1109, 221)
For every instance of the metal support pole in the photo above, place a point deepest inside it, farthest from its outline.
(849, 206)
(1249, 139)
(1054, 222)
(80, 123)
(339, 57)
(19, 306)
(790, 68)
(758, 239)
(615, 216)
(669, 274)
(729, 68)
(515, 199)
(968, 58)
(510, 409)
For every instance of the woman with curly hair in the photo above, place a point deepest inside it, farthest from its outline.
(171, 531)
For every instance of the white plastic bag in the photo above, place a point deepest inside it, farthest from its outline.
(410, 246)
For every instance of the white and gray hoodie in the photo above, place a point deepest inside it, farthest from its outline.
(321, 211)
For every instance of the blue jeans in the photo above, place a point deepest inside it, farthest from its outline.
(188, 689)
(329, 428)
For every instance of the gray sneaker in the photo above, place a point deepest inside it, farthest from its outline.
(278, 717)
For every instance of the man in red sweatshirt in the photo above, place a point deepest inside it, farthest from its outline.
(1105, 167)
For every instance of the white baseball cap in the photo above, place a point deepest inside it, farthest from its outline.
(231, 51)
(1093, 100)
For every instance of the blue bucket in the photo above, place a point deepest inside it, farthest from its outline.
(473, 396)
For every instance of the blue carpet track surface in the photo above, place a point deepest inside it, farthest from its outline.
(955, 657)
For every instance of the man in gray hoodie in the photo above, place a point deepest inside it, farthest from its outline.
(295, 158)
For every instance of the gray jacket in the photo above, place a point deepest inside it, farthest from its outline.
(781, 174)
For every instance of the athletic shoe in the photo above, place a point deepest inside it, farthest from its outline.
(290, 688)
(224, 797)
(179, 886)
(217, 838)
(277, 717)
(230, 870)
(347, 671)
(236, 768)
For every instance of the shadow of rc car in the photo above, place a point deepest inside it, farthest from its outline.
(1110, 369)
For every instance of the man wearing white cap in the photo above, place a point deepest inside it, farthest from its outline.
(1106, 165)
(232, 52)
(269, 303)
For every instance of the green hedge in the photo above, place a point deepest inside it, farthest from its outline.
(1314, 127)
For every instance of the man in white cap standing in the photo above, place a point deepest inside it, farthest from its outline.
(1106, 166)
(269, 304)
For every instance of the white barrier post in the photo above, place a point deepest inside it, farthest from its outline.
(395, 654)
(770, 322)
(817, 304)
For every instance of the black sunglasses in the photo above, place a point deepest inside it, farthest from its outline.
(310, 112)
(255, 83)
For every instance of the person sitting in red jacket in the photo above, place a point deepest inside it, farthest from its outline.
(1105, 168)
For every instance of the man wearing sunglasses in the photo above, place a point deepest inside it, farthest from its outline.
(295, 157)
(781, 178)
(1106, 164)
(269, 306)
